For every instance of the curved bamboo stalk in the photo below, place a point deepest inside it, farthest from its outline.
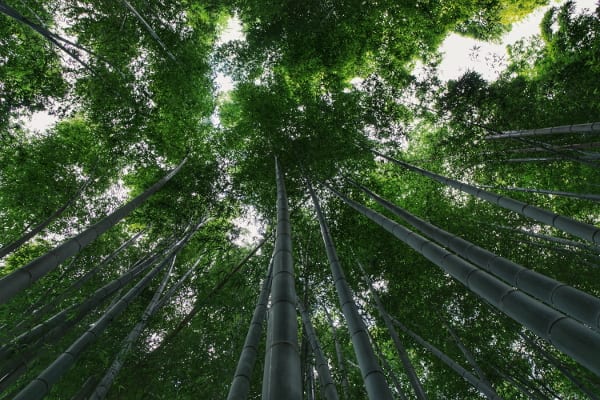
(566, 334)
(9, 248)
(51, 305)
(198, 306)
(593, 127)
(340, 356)
(477, 383)
(241, 379)
(582, 196)
(571, 301)
(40, 386)
(284, 380)
(569, 225)
(327, 386)
(80, 310)
(106, 382)
(554, 361)
(24, 277)
(373, 376)
(468, 355)
(149, 29)
(408, 367)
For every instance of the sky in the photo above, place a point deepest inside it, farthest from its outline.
(460, 54)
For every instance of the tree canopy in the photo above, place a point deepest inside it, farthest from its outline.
(327, 90)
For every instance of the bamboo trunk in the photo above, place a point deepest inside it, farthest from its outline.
(40, 386)
(48, 306)
(477, 383)
(284, 380)
(408, 367)
(565, 298)
(198, 305)
(565, 371)
(106, 382)
(327, 386)
(149, 29)
(240, 385)
(375, 382)
(64, 318)
(340, 356)
(24, 277)
(569, 336)
(469, 356)
(593, 127)
(582, 196)
(569, 225)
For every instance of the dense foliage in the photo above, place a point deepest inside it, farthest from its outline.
(318, 84)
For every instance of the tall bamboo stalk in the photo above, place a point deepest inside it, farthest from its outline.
(65, 320)
(327, 386)
(582, 196)
(593, 127)
(199, 303)
(408, 367)
(554, 361)
(284, 380)
(111, 373)
(373, 376)
(40, 386)
(149, 29)
(21, 279)
(468, 355)
(50, 305)
(240, 385)
(477, 383)
(565, 298)
(569, 225)
(9, 248)
(568, 335)
(340, 356)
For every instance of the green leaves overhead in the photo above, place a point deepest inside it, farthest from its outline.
(317, 84)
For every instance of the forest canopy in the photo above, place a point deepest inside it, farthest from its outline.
(406, 237)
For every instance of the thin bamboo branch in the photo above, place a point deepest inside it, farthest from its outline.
(111, 373)
(9, 248)
(408, 367)
(149, 29)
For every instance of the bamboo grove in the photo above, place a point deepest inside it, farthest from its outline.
(333, 224)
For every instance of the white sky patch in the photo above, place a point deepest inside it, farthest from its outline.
(232, 31)
(39, 121)
(250, 225)
(462, 54)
